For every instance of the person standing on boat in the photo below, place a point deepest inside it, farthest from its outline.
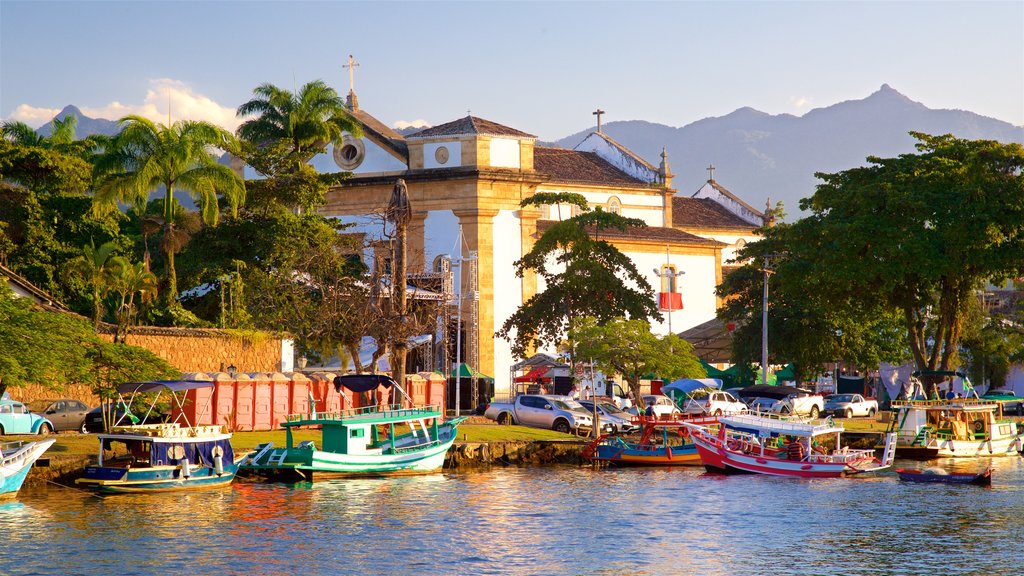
(794, 449)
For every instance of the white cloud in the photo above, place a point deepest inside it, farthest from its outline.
(419, 123)
(184, 103)
(800, 102)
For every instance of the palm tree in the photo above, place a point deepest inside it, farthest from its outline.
(306, 121)
(146, 156)
(128, 280)
(93, 267)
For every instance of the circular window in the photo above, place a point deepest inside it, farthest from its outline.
(441, 155)
(350, 154)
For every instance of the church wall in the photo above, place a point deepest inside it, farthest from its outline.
(508, 289)
(504, 153)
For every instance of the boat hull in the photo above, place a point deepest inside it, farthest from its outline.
(156, 479)
(15, 466)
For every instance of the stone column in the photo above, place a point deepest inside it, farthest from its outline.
(478, 228)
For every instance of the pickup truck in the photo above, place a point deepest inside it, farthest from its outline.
(849, 405)
(559, 413)
(782, 400)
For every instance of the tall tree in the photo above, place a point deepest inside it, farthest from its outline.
(146, 156)
(307, 121)
(583, 276)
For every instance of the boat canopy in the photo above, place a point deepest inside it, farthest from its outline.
(363, 382)
(160, 385)
(764, 427)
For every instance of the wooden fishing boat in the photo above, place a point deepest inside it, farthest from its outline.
(661, 443)
(748, 443)
(16, 459)
(161, 457)
(368, 441)
(983, 478)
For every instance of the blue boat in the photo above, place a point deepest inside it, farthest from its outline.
(16, 459)
(144, 457)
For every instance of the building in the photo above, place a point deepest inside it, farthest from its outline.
(466, 179)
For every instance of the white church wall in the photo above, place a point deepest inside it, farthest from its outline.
(508, 291)
(504, 153)
(454, 154)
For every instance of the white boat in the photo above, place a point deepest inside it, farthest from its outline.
(953, 428)
(749, 443)
(16, 459)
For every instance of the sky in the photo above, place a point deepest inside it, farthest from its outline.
(540, 67)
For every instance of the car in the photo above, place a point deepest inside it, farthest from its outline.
(64, 413)
(1008, 398)
(613, 418)
(15, 418)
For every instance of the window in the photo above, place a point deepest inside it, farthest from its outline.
(614, 205)
(668, 278)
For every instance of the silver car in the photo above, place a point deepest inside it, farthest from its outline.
(613, 418)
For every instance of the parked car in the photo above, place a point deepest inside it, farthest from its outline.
(613, 418)
(1009, 399)
(782, 400)
(849, 405)
(65, 413)
(15, 418)
(559, 413)
(712, 402)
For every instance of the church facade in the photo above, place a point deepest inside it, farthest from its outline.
(466, 179)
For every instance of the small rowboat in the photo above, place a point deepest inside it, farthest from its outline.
(980, 479)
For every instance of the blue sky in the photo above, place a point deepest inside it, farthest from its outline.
(541, 67)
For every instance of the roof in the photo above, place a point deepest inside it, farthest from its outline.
(380, 133)
(564, 165)
(705, 213)
(653, 233)
(471, 125)
(725, 192)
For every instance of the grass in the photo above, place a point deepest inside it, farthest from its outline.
(79, 445)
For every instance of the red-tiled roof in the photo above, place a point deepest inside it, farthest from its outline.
(654, 233)
(705, 213)
(470, 125)
(565, 165)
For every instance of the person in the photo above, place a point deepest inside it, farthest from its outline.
(794, 449)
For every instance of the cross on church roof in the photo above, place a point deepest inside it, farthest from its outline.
(711, 173)
(351, 73)
(598, 113)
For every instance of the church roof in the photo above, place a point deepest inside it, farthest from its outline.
(733, 197)
(380, 133)
(470, 125)
(705, 213)
(652, 233)
(564, 165)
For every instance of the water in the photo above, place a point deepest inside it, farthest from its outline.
(556, 520)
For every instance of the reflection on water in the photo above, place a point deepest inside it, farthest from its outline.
(560, 520)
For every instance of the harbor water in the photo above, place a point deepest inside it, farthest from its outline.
(548, 520)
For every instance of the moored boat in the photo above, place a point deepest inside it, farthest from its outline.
(748, 443)
(16, 459)
(147, 457)
(983, 478)
(368, 441)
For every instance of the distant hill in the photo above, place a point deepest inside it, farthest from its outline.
(758, 155)
(86, 126)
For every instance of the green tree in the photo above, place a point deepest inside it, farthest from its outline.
(628, 348)
(305, 121)
(146, 156)
(93, 267)
(918, 234)
(583, 276)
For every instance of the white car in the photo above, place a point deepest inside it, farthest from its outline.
(713, 402)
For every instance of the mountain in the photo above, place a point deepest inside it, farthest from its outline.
(759, 156)
(86, 126)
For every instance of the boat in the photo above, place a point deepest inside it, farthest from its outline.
(164, 456)
(983, 478)
(661, 443)
(374, 440)
(750, 443)
(953, 428)
(16, 459)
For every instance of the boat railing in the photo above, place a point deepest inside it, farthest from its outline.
(393, 411)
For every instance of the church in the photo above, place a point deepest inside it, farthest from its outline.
(466, 179)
